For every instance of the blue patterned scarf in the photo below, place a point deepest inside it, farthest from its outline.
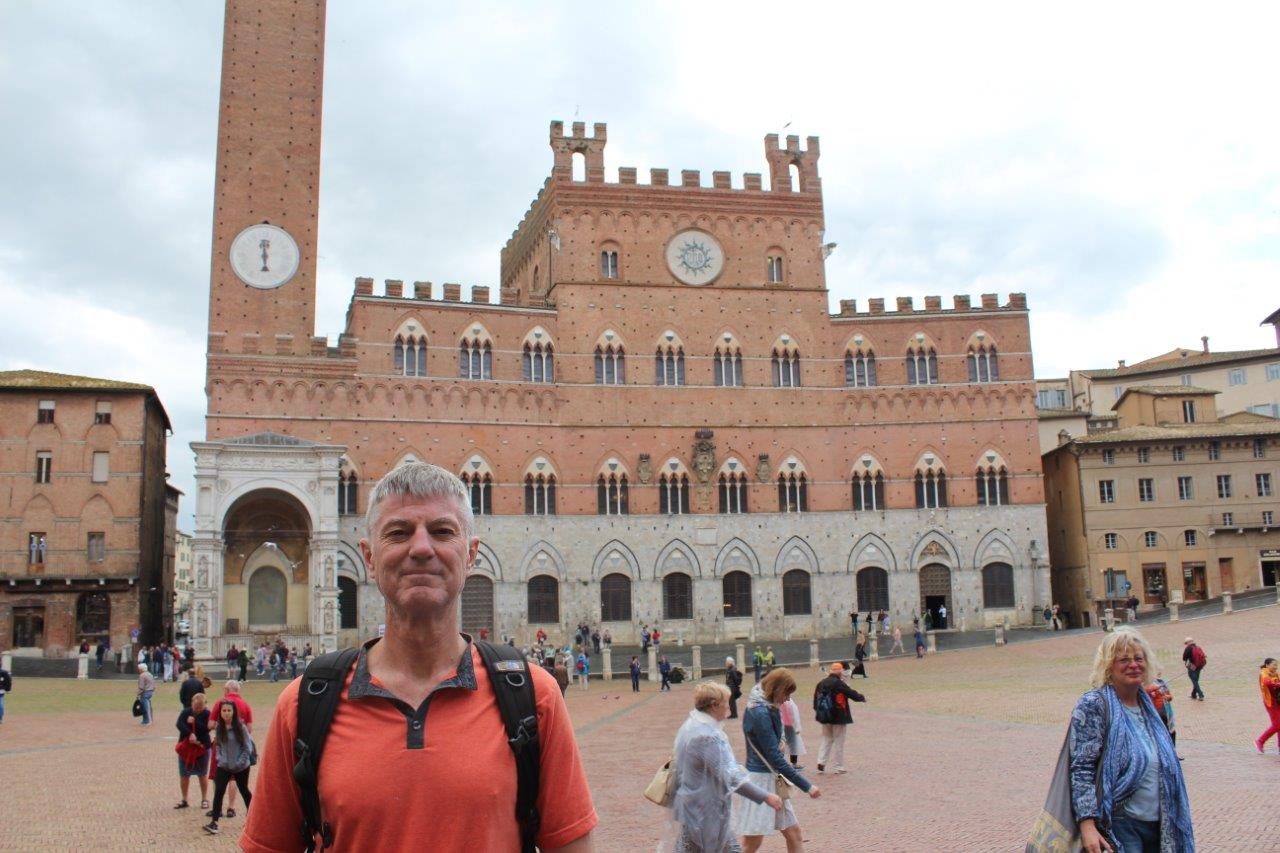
(1125, 761)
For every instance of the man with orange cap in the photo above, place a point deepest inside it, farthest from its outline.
(831, 700)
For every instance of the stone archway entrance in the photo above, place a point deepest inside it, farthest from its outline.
(266, 565)
(935, 594)
(477, 605)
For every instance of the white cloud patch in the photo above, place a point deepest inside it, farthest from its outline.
(1116, 163)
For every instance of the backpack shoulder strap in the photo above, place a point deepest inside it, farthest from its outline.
(318, 697)
(513, 691)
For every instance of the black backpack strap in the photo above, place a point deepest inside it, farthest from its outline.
(318, 697)
(513, 691)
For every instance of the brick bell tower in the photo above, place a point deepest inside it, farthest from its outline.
(262, 286)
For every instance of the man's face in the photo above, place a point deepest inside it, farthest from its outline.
(419, 554)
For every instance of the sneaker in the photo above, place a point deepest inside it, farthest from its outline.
(204, 804)
(182, 805)
(841, 770)
(211, 827)
(821, 769)
(1258, 747)
(231, 812)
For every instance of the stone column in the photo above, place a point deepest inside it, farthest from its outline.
(1108, 619)
(813, 653)
(1226, 602)
(931, 643)
(697, 663)
(1000, 638)
(607, 672)
(653, 665)
(6, 661)
(873, 647)
(322, 582)
(206, 598)
(1173, 611)
(741, 660)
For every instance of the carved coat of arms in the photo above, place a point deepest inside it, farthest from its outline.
(704, 455)
(645, 469)
(763, 469)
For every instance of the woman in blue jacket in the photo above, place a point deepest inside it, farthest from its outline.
(762, 730)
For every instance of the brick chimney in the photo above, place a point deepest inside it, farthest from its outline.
(1204, 342)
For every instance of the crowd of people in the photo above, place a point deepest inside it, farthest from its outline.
(214, 743)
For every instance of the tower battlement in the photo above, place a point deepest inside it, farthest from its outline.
(933, 305)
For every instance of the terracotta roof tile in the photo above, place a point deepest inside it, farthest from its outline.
(42, 380)
(1179, 365)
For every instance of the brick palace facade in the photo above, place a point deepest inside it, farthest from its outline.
(658, 416)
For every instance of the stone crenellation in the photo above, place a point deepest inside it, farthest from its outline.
(933, 305)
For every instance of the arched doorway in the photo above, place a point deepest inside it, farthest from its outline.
(266, 583)
(935, 594)
(268, 598)
(477, 605)
(873, 589)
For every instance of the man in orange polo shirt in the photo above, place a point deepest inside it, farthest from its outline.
(417, 755)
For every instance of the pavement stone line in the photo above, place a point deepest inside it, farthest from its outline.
(950, 753)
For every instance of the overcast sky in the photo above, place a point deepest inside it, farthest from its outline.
(1118, 164)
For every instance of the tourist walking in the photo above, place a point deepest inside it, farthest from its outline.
(146, 689)
(101, 652)
(860, 658)
(583, 666)
(1127, 790)
(897, 640)
(708, 775)
(733, 681)
(635, 674)
(607, 638)
(664, 669)
(595, 640)
(762, 730)
(942, 616)
(244, 713)
(790, 713)
(919, 640)
(243, 660)
(853, 620)
(561, 673)
(768, 659)
(1268, 685)
(831, 709)
(190, 686)
(6, 685)
(655, 637)
(1057, 618)
(757, 661)
(1194, 659)
(1162, 698)
(644, 639)
(235, 756)
(193, 730)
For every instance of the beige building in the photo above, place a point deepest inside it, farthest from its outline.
(1059, 418)
(1246, 380)
(183, 581)
(1176, 502)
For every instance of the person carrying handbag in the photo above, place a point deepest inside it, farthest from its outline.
(768, 768)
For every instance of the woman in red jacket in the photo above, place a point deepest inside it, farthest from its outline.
(1269, 684)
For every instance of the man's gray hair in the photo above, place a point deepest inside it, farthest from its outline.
(421, 480)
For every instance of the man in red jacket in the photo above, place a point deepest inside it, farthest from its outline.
(831, 707)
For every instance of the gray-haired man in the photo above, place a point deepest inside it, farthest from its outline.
(417, 734)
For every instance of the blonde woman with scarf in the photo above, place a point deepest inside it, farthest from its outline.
(1127, 790)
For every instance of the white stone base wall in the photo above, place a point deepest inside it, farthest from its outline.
(579, 550)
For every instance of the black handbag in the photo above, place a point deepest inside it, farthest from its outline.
(137, 707)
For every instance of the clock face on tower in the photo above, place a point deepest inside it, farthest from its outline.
(695, 257)
(264, 256)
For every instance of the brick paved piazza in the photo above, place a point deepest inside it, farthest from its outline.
(952, 753)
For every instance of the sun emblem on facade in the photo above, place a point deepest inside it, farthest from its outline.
(695, 257)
